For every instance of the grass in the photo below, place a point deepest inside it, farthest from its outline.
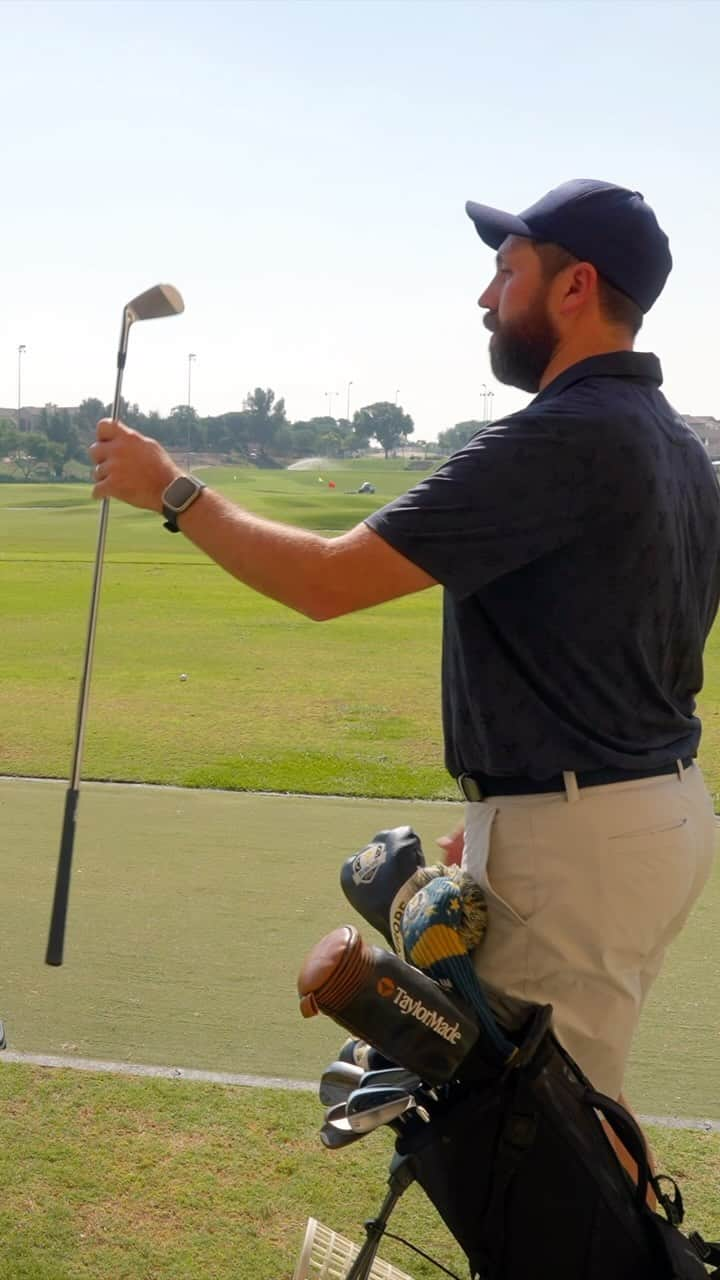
(272, 701)
(191, 913)
(158, 1180)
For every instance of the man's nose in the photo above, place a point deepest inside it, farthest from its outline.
(487, 299)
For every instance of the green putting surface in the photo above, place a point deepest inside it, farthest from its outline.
(191, 912)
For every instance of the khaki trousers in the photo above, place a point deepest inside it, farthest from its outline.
(585, 890)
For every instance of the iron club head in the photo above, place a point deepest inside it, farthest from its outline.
(396, 1077)
(338, 1082)
(367, 1109)
(162, 300)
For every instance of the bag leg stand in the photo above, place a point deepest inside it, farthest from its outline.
(399, 1180)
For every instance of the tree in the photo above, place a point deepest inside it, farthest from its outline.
(305, 437)
(264, 415)
(455, 437)
(29, 452)
(86, 417)
(184, 429)
(8, 437)
(386, 422)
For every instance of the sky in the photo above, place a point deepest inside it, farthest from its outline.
(298, 169)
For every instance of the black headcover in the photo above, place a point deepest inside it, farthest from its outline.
(378, 881)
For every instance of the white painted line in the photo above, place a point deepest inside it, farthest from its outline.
(109, 783)
(256, 1082)
(167, 1073)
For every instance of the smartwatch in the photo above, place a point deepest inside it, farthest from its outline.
(179, 495)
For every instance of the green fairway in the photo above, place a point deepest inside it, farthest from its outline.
(119, 1179)
(272, 701)
(191, 913)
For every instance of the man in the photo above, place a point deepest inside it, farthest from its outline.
(577, 542)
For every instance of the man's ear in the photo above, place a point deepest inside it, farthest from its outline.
(578, 286)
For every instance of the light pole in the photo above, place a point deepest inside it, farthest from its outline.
(190, 359)
(484, 392)
(347, 410)
(21, 352)
(397, 393)
(330, 397)
(491, 397)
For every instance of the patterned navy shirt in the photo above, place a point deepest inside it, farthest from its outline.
(578, 544)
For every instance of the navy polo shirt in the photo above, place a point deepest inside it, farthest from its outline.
(578, 544)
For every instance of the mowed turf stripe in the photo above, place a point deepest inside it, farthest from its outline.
(190, 915)
(103, 1067)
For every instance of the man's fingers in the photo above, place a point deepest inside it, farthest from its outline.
(106, 429)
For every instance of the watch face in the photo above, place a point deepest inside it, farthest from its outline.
(179, 492)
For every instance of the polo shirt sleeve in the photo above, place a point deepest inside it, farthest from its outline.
(519, 490)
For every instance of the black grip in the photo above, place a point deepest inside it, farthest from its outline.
(56, 935)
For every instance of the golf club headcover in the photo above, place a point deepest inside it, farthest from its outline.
(380, 998)
(473, 903)
(378, 881)
(362, 1054)
(433, 932)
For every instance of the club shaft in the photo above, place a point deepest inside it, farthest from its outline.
(58, 916)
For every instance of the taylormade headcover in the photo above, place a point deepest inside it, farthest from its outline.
(378, 881)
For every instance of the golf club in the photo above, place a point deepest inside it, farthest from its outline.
(396, 1077)
(162, 300)
(363, 1055)
(367, 1109)
(338, 1082)
(334, 1138)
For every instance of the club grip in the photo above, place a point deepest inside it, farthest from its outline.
(56, 935)
(377, 996)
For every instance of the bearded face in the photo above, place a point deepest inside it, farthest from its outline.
(522, 346)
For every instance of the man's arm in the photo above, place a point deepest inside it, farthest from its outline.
(320, 577)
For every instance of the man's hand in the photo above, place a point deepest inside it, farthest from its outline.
(453, 846)
(129, 466)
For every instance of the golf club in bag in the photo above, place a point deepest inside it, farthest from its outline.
(515, 1154)
(160, 301)
(521, 1170)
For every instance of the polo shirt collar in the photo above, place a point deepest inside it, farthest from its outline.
(612, 364)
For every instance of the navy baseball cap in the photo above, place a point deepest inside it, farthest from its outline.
(609, 226)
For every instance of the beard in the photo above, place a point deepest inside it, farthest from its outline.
(521, 349)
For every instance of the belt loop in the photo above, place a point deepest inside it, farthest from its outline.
(681, 770)
(572, 791)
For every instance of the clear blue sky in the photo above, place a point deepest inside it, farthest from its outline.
(299, 170)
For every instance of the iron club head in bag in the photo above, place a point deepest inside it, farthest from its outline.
(368, 1109)
(393, 1077)
(338, 1082)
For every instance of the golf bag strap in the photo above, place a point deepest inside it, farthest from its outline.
(516, 1138)
(708, 1251)
(628, 1131)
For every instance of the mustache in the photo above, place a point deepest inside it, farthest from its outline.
(490, 321)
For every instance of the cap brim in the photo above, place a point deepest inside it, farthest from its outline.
(493, 226)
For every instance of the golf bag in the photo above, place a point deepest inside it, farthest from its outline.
(523, 1174)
